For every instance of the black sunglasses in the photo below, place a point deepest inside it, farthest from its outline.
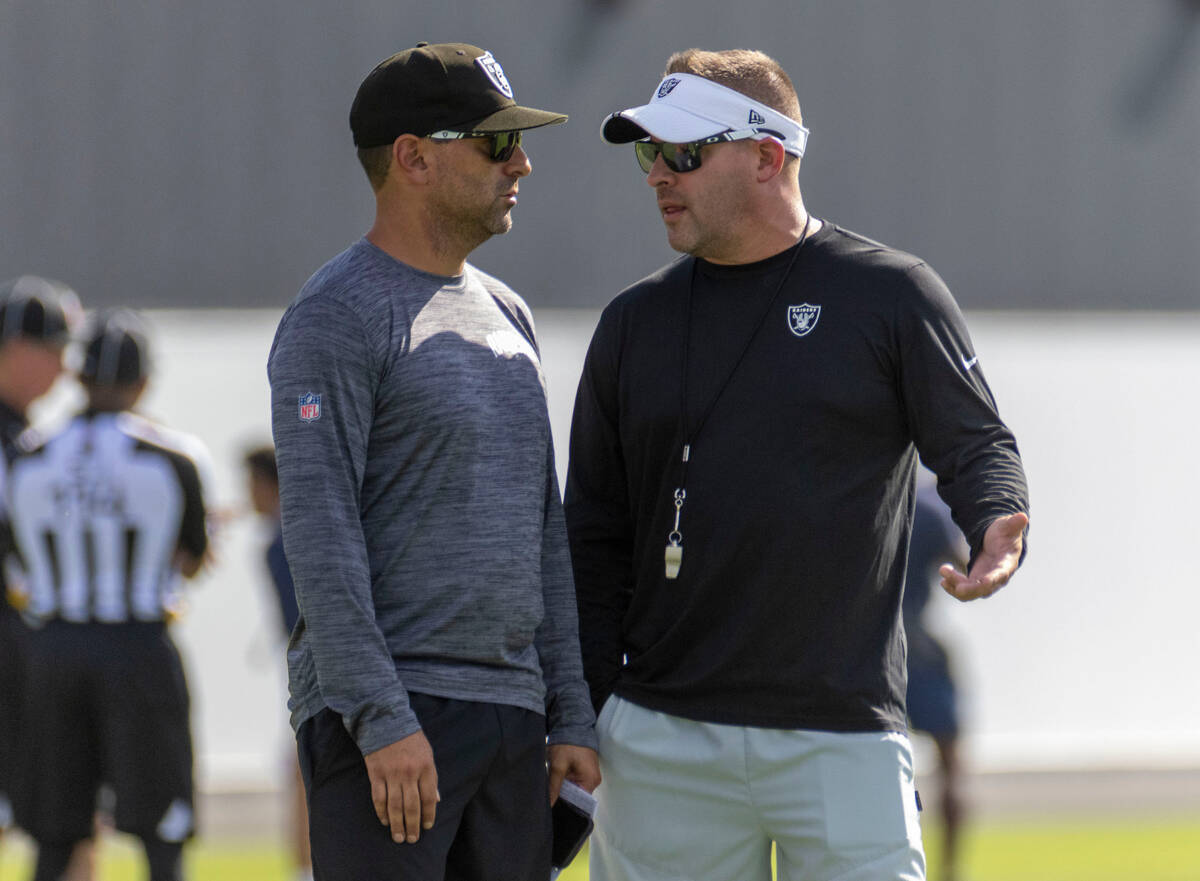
(683, 158)
(503, 145)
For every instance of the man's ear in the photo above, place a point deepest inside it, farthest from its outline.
(771, 157)
(410, 157)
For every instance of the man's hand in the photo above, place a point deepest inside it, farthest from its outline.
(578, 764)
(995, 564)
(404, 786)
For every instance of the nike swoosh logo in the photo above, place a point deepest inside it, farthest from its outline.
(967, 365)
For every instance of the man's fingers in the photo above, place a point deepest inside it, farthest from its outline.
(1006, 535)
(951, 579)
(578, 764)
(427, 786)
(379, 798)
(396, 810)
(412, 812)
(974, 588)
(963, 587)
(1015, 524)
(557, 773)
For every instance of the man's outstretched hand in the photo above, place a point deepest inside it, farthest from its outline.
(995, 564)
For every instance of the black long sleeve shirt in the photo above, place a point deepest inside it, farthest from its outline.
(796, 522)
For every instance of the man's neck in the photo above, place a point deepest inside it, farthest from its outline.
(417, 244)
(775, 234)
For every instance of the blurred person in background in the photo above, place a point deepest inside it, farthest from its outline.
(435, 669)
(932, 690)
(107, 514)
(739, 501)
(37, 316)
(263, 486)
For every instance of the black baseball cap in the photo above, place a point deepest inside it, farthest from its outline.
(439, 87)
(37, 308)
(116, 349)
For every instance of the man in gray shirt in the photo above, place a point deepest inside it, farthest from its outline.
(437, 650)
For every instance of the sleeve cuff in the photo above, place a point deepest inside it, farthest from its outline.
(378, 733)
(574, 735)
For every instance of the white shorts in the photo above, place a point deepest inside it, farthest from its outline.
(693, 801)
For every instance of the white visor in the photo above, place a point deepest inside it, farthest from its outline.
(686, 107)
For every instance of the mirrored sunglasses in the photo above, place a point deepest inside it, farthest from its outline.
(503, 145)
(682, 158)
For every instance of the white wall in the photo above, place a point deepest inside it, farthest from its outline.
(1087, 659)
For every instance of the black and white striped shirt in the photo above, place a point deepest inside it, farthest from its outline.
(98, 514)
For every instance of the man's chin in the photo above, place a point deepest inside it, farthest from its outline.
(500, 225)
(680, 243)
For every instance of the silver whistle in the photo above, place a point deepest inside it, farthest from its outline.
(673, 553)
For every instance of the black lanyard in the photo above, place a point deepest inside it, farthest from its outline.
(674, 550)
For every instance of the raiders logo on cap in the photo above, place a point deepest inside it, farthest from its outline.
(495, 73)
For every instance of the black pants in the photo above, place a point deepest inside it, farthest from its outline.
(492, 824)
(107, 704)
(165, 860)
(13, 651)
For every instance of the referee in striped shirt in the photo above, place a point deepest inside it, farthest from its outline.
(107, 514)
(36, 318)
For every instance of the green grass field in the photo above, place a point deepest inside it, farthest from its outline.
(1051, 849)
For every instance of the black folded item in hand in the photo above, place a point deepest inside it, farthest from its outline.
(572, 821)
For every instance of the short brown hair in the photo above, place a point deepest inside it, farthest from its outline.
(753, 73)
(260, 461)
(375, 162)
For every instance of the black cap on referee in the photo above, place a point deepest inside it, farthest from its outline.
(116, 349)
(38, 309)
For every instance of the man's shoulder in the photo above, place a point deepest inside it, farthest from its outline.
(150, 435)
(186, 455)
(113, 431)
(348, 280)
(851, 249)
(489, 281)
(55, 436)
(875, 273)
(30, 443)
(352, 297)
(655, 287)
(497, 288)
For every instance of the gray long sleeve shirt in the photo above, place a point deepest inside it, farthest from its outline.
(421, 513)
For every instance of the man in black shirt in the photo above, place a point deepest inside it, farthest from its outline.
(739, 501)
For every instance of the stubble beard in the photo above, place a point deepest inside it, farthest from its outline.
(714, 236)
(693, 237)
(457, 226)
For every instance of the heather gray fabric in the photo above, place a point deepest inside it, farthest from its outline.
(421, 515)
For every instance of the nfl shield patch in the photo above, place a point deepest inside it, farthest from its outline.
(310, 407)
(803, 318)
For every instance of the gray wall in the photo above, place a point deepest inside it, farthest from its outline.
(1039, 153)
